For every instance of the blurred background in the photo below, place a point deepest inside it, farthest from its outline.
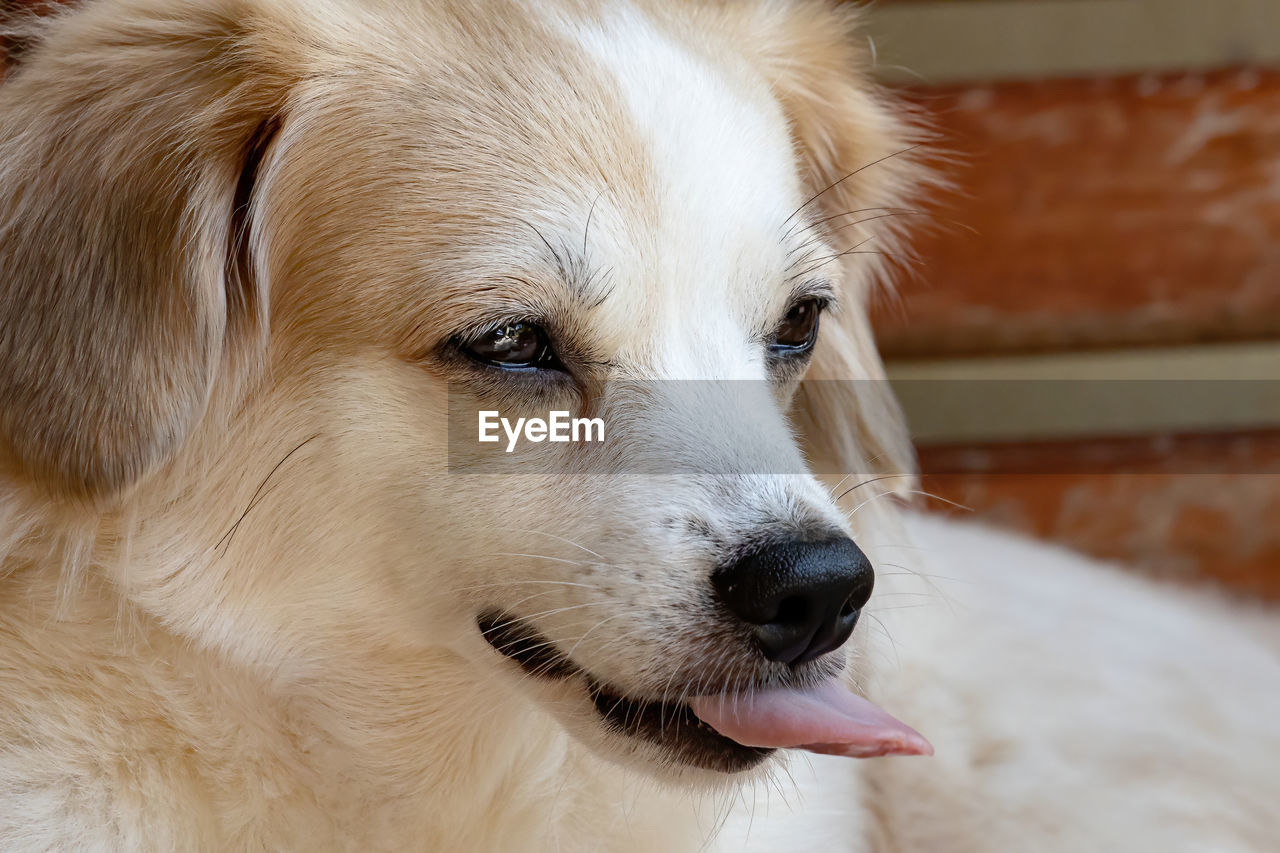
(1090, 352)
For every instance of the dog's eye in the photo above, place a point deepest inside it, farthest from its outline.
(517, 344)
(799, 329)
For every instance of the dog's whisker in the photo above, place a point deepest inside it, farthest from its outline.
(588, 632)
(521, 581)
(910, 572)
(907, 571)
(560, 539)
(542, 614)
(869, 482)
(816, 264)
(586, 231)
(546, 557)
(666, 689)
(940, 499)
(893, 644)
(898, 211)
(831, 490)
(822, 237)
(829, 187)
(526, 616)
(887, 211)
(875, 497)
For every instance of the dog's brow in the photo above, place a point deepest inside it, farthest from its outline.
(589, 284)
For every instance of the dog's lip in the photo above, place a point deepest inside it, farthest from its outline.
(514, 638)
(673, 726)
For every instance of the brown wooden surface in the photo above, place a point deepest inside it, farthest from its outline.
(1116, 211)
(1109, 213)
(1218, 454)
(1191, 508)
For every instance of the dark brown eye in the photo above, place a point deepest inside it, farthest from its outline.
(517, 344)
(799, 328)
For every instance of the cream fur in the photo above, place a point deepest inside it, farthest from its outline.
(239, 585)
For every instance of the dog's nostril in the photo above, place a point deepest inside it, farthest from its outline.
(801, 599)
(793, 609)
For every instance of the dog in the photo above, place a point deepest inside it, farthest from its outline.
(260, 591)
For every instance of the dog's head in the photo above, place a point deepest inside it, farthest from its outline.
(253, 252)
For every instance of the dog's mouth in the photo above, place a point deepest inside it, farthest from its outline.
(725, 733)
(671, 726)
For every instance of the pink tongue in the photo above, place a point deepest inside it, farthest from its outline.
(827, 719)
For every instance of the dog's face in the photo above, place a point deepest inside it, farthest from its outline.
(330, 239)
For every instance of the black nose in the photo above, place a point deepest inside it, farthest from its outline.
(801, 599)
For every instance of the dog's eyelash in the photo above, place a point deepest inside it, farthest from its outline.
(821, 290)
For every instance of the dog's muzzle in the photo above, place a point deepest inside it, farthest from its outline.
(792, 603)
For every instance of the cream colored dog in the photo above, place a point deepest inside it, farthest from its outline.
(255, 597)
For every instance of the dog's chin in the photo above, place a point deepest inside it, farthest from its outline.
(662, 738)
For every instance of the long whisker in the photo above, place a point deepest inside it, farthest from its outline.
(939, 498)
(869, 482)
(559, 539)
(822, 236)
(824, 261)
(820, 193)
(540, 557)
(259, 496)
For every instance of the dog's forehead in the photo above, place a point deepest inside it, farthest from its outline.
(718, 179)
(643, 153)
(716, 139)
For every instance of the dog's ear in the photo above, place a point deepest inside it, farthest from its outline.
(129, 141)
(859, 156)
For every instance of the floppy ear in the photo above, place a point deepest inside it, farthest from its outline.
(858, 155)
(129, 141)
